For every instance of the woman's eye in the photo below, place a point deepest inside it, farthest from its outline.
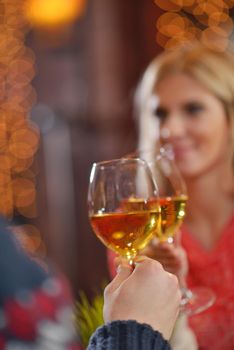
(160, 113)
(193, 108)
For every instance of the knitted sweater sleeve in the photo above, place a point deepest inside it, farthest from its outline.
(127, 335)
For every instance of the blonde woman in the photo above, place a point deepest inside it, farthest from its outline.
(186, 98)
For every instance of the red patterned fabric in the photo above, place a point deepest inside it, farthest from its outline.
(214, 327)
(36, 307)
(38, 317)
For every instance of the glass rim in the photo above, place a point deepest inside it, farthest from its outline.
(122, 160)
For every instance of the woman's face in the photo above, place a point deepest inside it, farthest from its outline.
(194, 121)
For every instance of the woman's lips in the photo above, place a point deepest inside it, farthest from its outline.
(181, 151)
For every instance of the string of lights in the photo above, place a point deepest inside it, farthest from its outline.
(19, 138)
(207, 21)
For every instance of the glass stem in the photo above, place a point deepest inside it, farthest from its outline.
(186, 293)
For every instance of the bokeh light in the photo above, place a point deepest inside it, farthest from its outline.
(188, 20)
(47, 13)
(30, 239)
(169, 5)
(19, 138)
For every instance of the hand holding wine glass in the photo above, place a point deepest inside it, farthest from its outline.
(156, 301)
(118, 197)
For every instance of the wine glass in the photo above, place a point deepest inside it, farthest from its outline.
(172, 199)
(118, 196)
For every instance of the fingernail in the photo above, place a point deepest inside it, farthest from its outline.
(118, 268)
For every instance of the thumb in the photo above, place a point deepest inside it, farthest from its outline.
(123, 272)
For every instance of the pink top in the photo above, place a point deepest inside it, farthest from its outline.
(214, 327)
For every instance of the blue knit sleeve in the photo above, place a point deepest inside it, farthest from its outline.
(127, 335)
(17, 271)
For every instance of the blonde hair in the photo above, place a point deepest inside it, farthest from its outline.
(213, 69)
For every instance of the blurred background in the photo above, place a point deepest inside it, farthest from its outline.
(69, 69)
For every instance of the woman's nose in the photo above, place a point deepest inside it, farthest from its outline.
(173, 127)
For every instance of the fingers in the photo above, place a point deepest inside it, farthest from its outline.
(119, 261)
(147, 266)
(124, 270)
(142, 293)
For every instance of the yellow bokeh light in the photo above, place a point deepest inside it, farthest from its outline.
(19, 165)
(21, 150)
(221, 21)
(218, 17)
(161, 39)
(187, 3)
(188, 35)
(204, 11)
(16, 119)
(172, 43)
(29, 136)
(169, 5)
(188, 20)
(181, 38)
(5, 163)
(221, 4)
(171, 24)
(53, 12)
(18, 139)
(21, 70)
(6, 202)
(24, 192)
(28, 174)
(216, 31)
(28, 236)
(5, 178)
(3, 139)
(29, 212)
(213, 39)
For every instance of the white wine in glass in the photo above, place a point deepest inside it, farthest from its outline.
(172, 194)
(118, 196)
